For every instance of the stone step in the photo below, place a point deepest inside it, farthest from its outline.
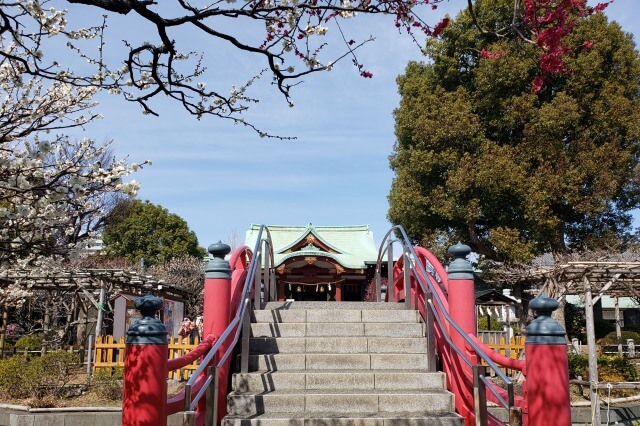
(341, 402)
(356, 419)
(337, 329)
(284, 306)
(336, 380)
(334, 315)
(312, 361)
(337, 345)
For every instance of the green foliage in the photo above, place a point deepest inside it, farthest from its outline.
(483, 324)
(610, 368)
(611, 339)
(11, 376)
(39, 377)
(578, 366)
(137, 230)
(47, 374)
(480, 158)
(614, 366)
(574, 321)
(107, 384)
(30, 342)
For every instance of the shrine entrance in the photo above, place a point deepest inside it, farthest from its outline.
(321, 292)
(321, 263)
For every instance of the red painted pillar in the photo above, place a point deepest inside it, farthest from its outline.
(462, 309)
(547, 385)
(280, 286)
(217, 299)
(145, 367)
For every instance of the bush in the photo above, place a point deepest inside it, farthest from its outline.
(578, 366)
(633, 328)
(107, 384)
(495, 324)
(11, 371)
(49, 373)
(610, 339)
(30, 342)
(574, 321)
(38, 377)
(615, 368)
(610, 368)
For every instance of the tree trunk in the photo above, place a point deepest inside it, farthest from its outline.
(3, 329)
(46, 324)
(557, 290)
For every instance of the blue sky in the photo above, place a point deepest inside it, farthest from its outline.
(221, 178)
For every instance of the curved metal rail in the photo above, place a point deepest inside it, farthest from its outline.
(442, 318)
(242, 317)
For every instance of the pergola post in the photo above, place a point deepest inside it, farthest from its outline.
(593, 357)
(3, 329)
(101, 303)
(618, 326)
(46, 324)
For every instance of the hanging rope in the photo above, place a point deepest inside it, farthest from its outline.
(293, 283)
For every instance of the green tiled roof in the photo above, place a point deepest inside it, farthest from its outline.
(608, 302)
(354, 244)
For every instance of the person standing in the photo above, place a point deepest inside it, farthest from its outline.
(193, 334)
(185, 330)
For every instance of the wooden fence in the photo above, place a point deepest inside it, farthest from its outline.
(109, 355)
(512, 349)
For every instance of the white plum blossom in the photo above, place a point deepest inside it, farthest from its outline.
(315, 29)
(54, 189)
(296, 36)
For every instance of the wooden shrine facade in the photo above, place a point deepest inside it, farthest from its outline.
(321, 263)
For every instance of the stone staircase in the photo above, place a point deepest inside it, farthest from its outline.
(338, 363)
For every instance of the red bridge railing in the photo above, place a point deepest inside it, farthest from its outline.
(444, 298)
(446, 302)
(231, 290)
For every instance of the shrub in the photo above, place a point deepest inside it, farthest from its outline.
(495, 325)
(615, 366)
(574, 321)
(11, 374)
(633, 328)
(38, 377)
(578, 366)
(30, 342)
(107, 384)
(610, 339)
(49, 373)
(610, 368)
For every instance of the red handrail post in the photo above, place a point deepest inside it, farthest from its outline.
(217, 300)
(145, 367)
(462, 309)
(547, 367)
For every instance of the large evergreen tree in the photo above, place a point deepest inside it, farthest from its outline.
(137, 230)
(481, 157)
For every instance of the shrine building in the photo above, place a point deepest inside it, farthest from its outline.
(321, 263)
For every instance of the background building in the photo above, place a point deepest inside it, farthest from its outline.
(321, 263)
